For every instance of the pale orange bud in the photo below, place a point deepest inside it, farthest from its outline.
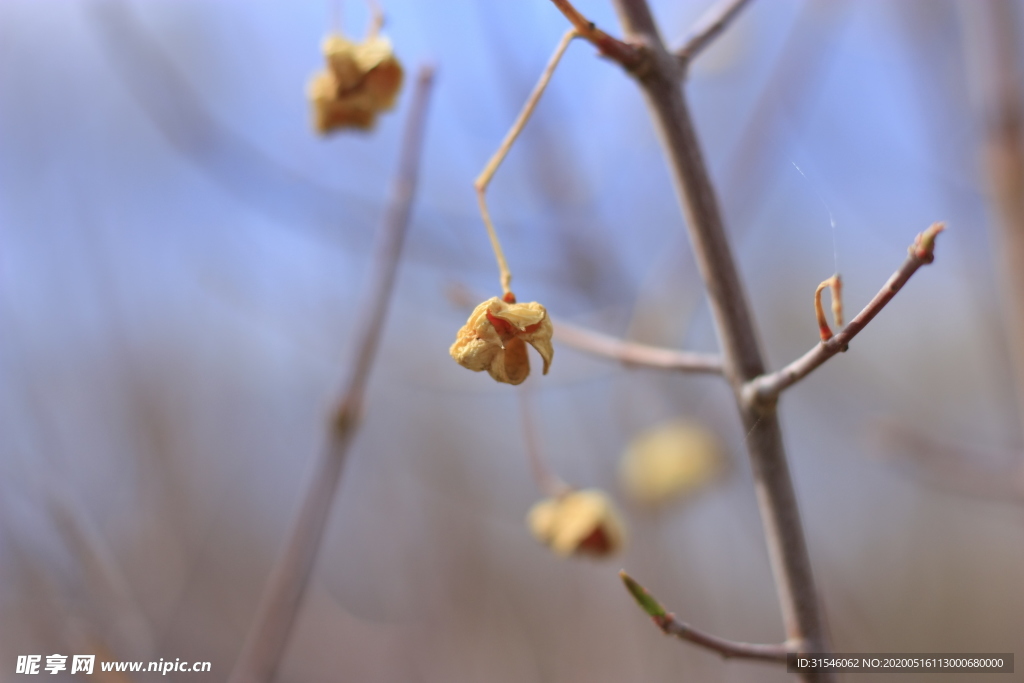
(361, 80)
(578, 523)
(673, 459)
(495, 337)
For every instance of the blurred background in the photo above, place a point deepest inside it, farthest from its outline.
(182, 258)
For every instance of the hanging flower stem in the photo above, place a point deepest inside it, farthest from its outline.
(484, 179)
(549, 483)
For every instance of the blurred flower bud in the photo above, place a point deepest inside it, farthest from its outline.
(495, 337)
(578, 523)
(361, 80)
(672, 459)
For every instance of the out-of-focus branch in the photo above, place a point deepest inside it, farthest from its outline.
(242, 169)
(729, 649)
(282, 596)
(991, 42)
(766, 388)
(711, 23)
(956, 468)
(632, 353)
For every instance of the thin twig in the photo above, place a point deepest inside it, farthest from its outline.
(729, 649)
(734, 322)
(707, 28)
(484, 179)
(631, 57)
(282, 596)
(377, 18)
(766, 388)
(632, 353)
(549, 483)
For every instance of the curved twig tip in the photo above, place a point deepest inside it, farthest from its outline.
(835, 284)
(924, 244)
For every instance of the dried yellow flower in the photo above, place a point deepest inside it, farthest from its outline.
(578, 523)
(673, 459)
(361, 80)
(495, 338)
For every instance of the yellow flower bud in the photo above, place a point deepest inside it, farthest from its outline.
(578, 523)
(673, 459)
(361, 80)
(495, 337)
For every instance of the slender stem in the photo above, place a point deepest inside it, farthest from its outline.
(377, 18)
(484, 179)
(632, 353)
(712, 22)
(729, 649)
(282, 596)
(765, 389)
(549, 483)
(784, 536)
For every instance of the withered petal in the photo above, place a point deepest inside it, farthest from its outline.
(521, 316)
(495, 337)
(360, 81)
(511, 364)
(475, 354)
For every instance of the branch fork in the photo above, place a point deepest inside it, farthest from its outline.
(632, 57)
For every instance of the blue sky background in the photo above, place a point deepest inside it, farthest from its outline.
(181, 259)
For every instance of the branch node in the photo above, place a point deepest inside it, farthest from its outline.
(633, 58)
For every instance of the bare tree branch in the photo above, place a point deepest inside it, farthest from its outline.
(743, 360)
(282, 596)
(729, 649)
(712, 22)
(766, 388)
(632, 353)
